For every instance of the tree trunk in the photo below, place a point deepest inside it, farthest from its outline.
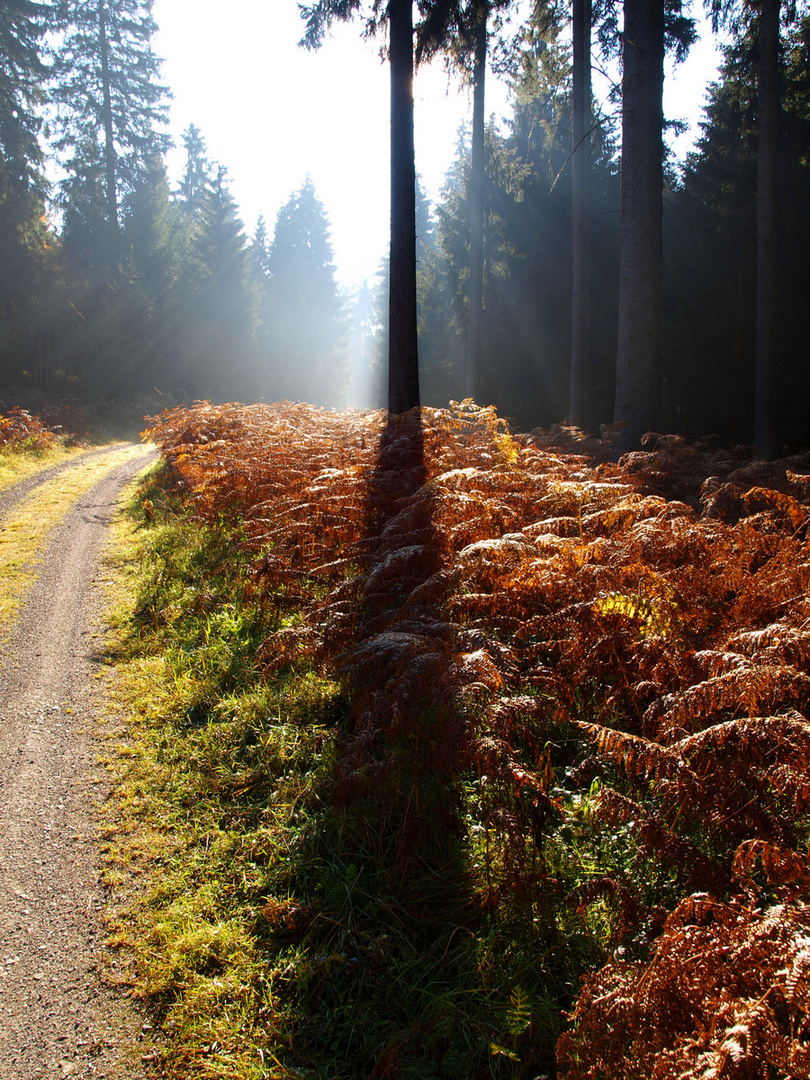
(477, 209)
(638, 361)
(403, 357)
(767, 222)
(107, 120)
(578, 408)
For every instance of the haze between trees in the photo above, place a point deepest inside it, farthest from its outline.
(140, 289)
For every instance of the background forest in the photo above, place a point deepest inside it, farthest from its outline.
(116, 286)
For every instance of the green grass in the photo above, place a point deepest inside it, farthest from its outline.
(274, 931)
(18, 463)
(28, 525)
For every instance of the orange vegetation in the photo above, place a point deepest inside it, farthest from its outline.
(513, 587)
(19, 428)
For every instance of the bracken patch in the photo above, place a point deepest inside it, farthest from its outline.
(579, 647)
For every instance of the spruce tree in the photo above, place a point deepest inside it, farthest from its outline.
(527, 287)
(110, 102)
(197, 172)
(152, 233)
(580, 401)
(22, 73)
(768, 138)
(649, 25)
(460, 28)
(259, 251)
(638, 374)
(304, 314)
(710, 285)
(217, 315)
(24, 236)
(713, 240)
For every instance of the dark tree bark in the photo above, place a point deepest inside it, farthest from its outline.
(403, 357)
(638, 391)
(581, 215)
(477, 208)
(767, 222)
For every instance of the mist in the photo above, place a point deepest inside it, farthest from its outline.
(165, 298)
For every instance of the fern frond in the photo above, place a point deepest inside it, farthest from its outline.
(655, 840)
(779, 867)
(747, 688)
(718, 989)
(643, 761)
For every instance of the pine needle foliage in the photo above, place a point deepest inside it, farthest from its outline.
(591, 680)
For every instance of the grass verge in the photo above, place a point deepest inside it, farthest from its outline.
(272, 931)
(17, 465)
(27, 526)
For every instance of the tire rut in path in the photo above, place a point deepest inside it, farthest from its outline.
(58, 1017)
(15, 493)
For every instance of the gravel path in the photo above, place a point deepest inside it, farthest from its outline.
(10, 496)
(59, 1017)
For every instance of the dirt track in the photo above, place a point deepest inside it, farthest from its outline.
(59, 1015)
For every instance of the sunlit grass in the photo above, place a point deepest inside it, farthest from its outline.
(16, 465)
(173, 859)
(29, 524)
(272, 934)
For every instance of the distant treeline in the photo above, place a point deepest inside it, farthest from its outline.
(115, 285)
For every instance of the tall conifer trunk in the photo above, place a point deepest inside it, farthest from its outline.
(403, 357)
(638, 360)
(581, 215)
(107, 119)
(477, 208)
(767, 222)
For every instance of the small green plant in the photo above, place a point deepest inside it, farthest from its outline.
(518, 1018)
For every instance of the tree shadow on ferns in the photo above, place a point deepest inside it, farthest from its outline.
(398, 890)
(408, 738)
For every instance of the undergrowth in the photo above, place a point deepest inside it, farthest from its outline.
(29, 443)
(283, 936)
(23, 432)
(467, 754)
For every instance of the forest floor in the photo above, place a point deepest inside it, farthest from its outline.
(458, 754)
(433, 752)
(60, 1012)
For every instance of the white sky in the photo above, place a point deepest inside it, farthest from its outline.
(273, 113)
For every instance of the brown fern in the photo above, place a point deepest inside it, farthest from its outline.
(726, 993)
(478, 592)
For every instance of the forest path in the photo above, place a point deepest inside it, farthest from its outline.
(59, 1016)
